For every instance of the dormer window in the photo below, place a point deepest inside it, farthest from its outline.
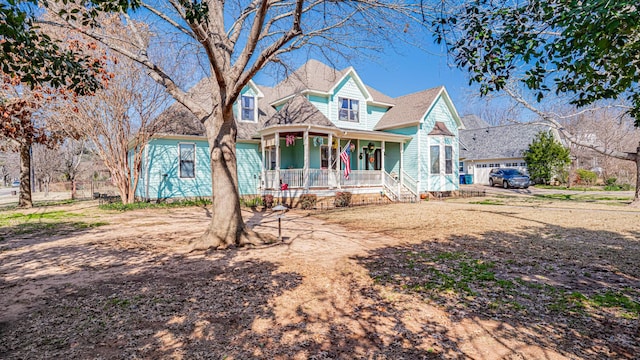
(348, 110)
(248, 108)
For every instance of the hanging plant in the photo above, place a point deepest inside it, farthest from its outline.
(290, 140)
(334, 143)
(317, 141)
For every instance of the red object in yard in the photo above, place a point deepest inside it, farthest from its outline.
(284, 187)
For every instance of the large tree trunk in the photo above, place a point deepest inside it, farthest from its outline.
(227, 228)
(24, 200)
(636, 198)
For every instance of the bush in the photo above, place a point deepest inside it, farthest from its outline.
(610, 181)
(308, 201)
(621, 187)
(267, 200)
(586, 177)
(343, 199)
(254, 202)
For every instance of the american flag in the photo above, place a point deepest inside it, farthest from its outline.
(345, 156)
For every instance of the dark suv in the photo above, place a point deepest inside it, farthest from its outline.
(508, 178)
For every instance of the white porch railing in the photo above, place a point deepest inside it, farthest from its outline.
(391, 185)
(363, 178)
(410, 183)
(293, 177)
(321, 178)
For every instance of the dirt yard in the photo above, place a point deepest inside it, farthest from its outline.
(504, 278)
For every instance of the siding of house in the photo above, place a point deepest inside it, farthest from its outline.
(249, 167)
(350, 90)
(410, 150)
(438, 182)
(392, 157)
(320, 102)
(163, 159)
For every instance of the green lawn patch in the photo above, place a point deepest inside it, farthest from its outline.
(155, 205)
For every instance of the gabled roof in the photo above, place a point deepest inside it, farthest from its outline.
(498, 142)
(183, 122)
(299, 110)
(473, 122)
(440, 129)
(315, 77)
(409, 109)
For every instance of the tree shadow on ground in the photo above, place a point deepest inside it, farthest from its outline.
(570, 290)
(142, 305)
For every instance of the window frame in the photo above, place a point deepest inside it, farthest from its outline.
(448, 162)
(434, 164)
(254, 113)
(180, 160)
(349, 110)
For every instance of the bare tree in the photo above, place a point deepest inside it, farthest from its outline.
(9, 166)
(236, 40)
(46, 166)
(118, 118)
(610, 128)
(556, 120)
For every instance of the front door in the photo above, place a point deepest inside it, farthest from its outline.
(372, 160)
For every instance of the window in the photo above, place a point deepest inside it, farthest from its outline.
(270, 161)
(523, 164)
(348, 110)
(324, 156)
(461, 166)
(187, 154)
(448, 160)
(435, 159)
(248, 108)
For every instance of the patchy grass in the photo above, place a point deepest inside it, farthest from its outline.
(37, 204)
(43, 222)
(583, 198)
(488, 202)
(155, 205)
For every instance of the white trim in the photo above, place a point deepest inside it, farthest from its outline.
(255, 87)
(349, 110)
(255, 109)
(449, 103)
(358, 81)
(180, 159)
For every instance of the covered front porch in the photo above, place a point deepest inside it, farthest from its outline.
(307, 158)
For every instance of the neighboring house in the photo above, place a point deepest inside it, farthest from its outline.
(294, 132)
(484, 147)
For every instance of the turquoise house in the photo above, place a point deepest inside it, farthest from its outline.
(290, 138)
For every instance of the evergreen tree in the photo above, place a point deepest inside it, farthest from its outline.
(545, 157)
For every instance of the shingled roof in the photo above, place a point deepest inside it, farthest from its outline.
(473, 122)
(299, 110)
(498, 142)
(312, 76)
(408, 109)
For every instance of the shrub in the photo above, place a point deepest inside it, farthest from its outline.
(586, 177)
(343, 199)
(254, 202)
(308, 201)
(267, 200)
(610, 181)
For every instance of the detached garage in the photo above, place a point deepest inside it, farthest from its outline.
(484, 147)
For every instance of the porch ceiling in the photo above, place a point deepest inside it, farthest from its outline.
(373, 135)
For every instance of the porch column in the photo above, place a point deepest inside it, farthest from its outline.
(402, 163)
(336, 173)
(263, 174)
(277, 180)
(305, 171)
(330, 152)
(382, 158)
